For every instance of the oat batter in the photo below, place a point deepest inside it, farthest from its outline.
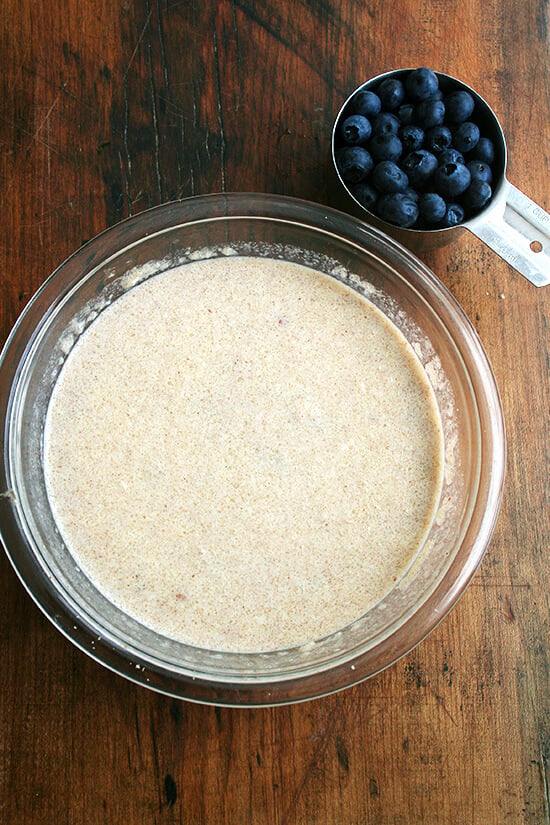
(243, 454)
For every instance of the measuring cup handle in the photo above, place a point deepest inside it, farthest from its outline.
(520, 234)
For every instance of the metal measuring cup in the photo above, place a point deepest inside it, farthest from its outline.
(511, 224)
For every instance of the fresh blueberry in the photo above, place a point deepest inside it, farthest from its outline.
(453, 216)
(432, 207)
(412, 137)
(419, 167)
(479, 170)
(450, 156)
(413, 154)
(366, 103)
(459, 106)
(477, 194)
(412, 194)
(430, 112)
(391, 93)
(387, 177)
(484, 150)
(405, 113)
(356, 130)
(398, 209)
(451, 179)
(385, 124)
(421, 83)
(354, 163)
(466, 136)
(385, 147)
(438, 139)
(365, 194)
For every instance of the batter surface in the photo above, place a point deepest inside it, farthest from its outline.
(243, 453)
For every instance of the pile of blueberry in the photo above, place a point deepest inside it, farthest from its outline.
(413, 154)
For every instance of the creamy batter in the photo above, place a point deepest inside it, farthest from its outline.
(243, 453)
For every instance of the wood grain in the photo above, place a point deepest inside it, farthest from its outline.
(107, 108)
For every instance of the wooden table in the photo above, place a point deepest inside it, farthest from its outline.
(108, 108)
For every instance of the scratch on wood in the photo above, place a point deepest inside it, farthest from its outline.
(441, 702)
(163, 60)
(220, 108)
(235, 27)
(155, 120)
(172, 107)
(414, 675)
(125, 138)
(195, 108)
(123, 170)
(543, 763)
(499, 585)
(267, 26)
(509, 610)
(320, 749)
(47, 214)
(136, 724)
(156, 761)
(24, 131)
(335, 717)
(46, 117)
(136, 47)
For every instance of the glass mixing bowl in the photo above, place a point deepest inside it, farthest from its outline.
(347, 249)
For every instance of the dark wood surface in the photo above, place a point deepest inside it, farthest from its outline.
(107, 108)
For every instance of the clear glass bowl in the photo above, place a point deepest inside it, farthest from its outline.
(406, 291)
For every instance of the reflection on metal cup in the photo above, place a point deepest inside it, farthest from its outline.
(511, 224)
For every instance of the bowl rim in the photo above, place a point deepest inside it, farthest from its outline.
(315, 216)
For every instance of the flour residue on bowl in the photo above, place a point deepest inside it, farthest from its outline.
(243, 453)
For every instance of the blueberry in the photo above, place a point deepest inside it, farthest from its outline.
(385, 123)
(354, 163)
(450, 156)
(387, 177)
(405, 113)
(366, 103)
(413, 153)
(432, 207)
(412, 137)
(438, 139)
(479, 170)
(391, 93)
(430, 113)
(385, 147)
(421, 83)
(466, 136)
(484, 150)
(477, 195)
(365, 194)
(398, 209)
(453, 216)
(459, 106)
(451, 179)
(419, 167)
(412, 194)
(356, 130)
